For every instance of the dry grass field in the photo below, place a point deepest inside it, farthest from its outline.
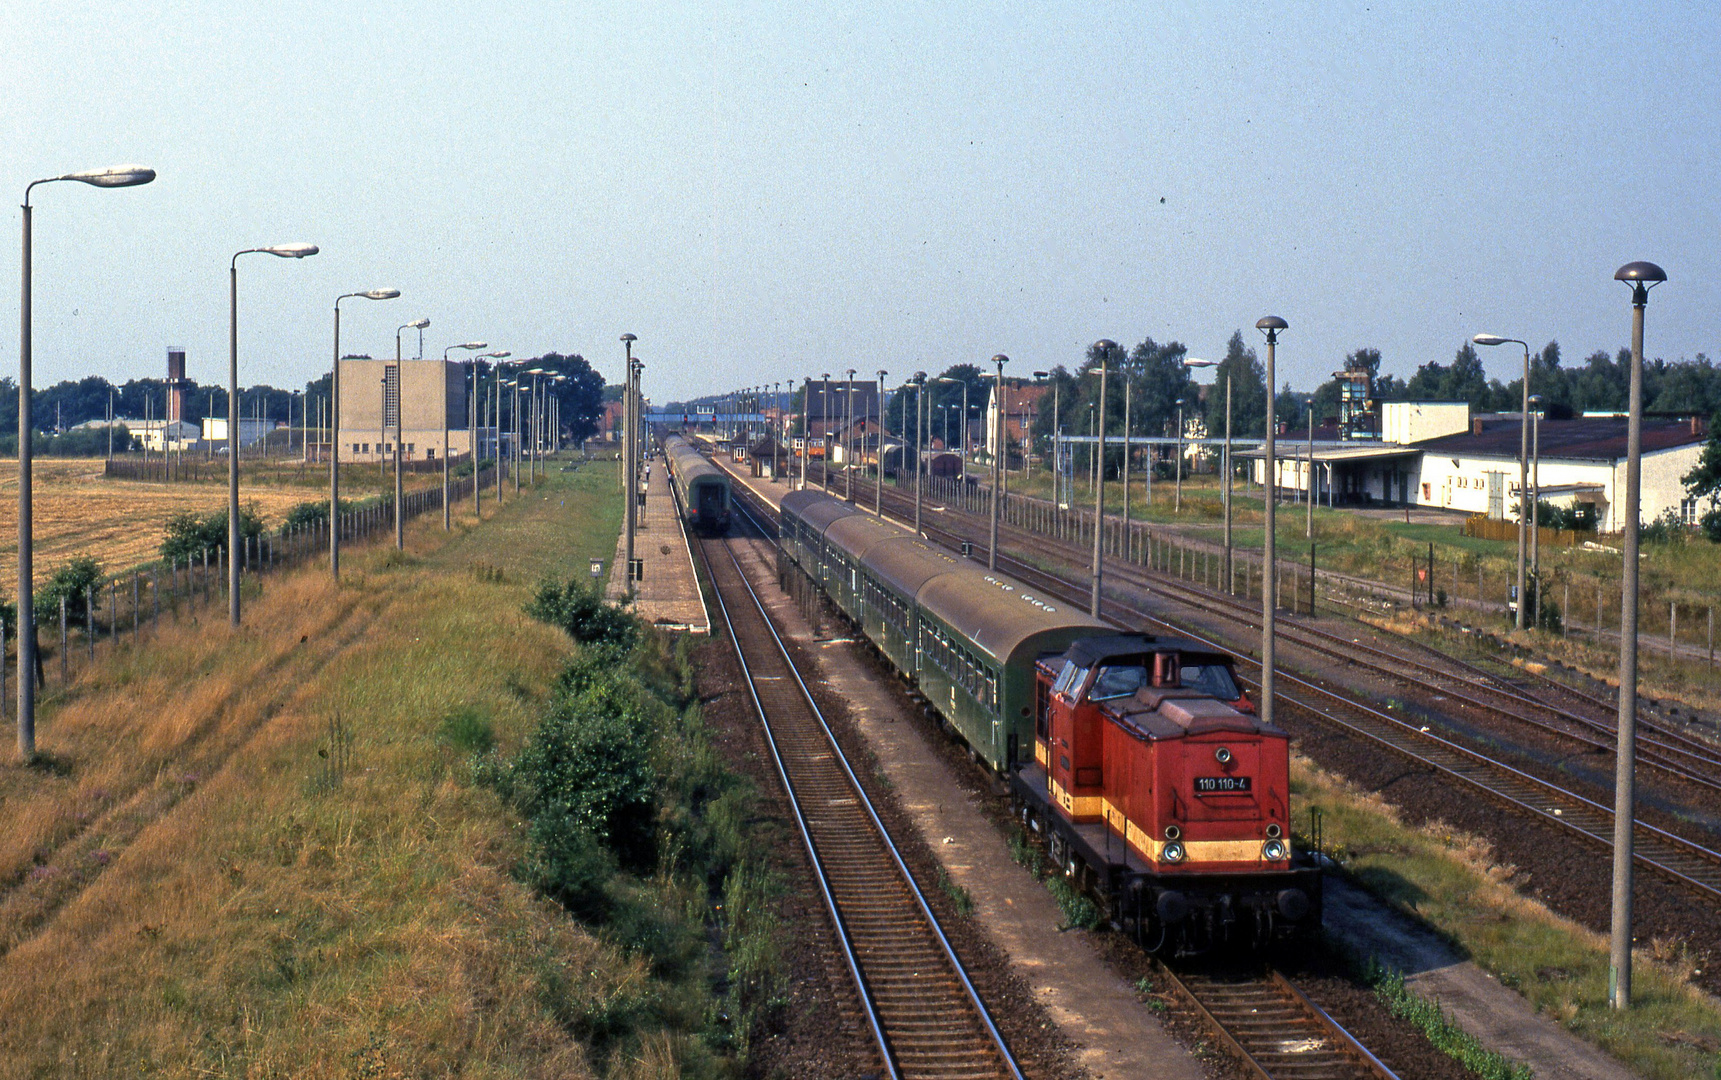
(253, 855)
(120, 522)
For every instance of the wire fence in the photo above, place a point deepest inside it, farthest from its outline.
(121, 609)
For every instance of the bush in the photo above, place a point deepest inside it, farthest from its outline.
(72, 581)
(580, 610)
(1666, 529)
(1578, 517)
(188, 536)
(1711, 522)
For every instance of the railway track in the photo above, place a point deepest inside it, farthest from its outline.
(1673, 857)
(925, 1016)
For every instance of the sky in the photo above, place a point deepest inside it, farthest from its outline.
(764, 192)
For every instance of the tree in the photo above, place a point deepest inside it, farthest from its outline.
(582, 396)
(1704, 480)
(1248, 392)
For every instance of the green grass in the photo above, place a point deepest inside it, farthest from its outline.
(1450, 1039)
(1452, 882)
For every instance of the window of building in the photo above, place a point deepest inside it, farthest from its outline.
(1688, 511)
(367, 448)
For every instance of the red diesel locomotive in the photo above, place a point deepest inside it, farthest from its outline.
(1161, 792)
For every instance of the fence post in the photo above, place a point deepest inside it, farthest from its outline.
(1672, 629)
(64, 674)
(90, 620)
(136, 597)
(155, 591)
(114, 609)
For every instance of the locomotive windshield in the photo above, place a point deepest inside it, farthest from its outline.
(1212, 679)
(1069, 679)
(1118, 680)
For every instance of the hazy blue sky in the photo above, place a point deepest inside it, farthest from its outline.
(760, 192)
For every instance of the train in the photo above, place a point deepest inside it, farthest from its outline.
(1137, 759)
(702, 486)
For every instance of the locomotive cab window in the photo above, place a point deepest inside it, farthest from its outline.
(1117, 681)
(1212, 679)
(1070, 679)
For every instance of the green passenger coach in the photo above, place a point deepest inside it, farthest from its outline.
(967, 637)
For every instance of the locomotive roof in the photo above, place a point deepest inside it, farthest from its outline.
(1088, 651)
(1155, 714)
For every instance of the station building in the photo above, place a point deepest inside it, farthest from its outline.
(1436, 455)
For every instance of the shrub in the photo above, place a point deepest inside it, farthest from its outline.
(72, 581)
(188, 536)
(1711, 522)
(1666, 529)
(580, 610)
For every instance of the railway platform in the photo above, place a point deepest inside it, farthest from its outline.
(667, 595)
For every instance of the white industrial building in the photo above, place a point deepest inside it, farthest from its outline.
(250, 429)
(1435, 455)
(154, 435)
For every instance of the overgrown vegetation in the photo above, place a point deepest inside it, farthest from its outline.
(1430, 1019)
(639, 831)
(1080, 913)
(188, 536)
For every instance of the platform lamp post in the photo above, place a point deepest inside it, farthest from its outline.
(1177, 499)
(399, 433)
(1104, 347)
(998, 430)
(335, 430)
(1536, 505)
(919, 437)
(849, 438)
(825, 431)
(473, 346)
(1226, 456)
(1641, 276)
(1270, 325)
(1523, 461)
(284, 251)
(806, 428)
(878, 454)
(535, 406)
(481, 425)
(964, 384)
(118, 176)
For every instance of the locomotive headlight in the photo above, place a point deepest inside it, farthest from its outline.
(1222, 755)
(1272, 830)
(1273, 850)
(1174, 852)
(1172, 832)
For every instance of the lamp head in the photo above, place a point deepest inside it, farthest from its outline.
(118, 176)
(474, 345)
(1190, 361)
(1642, 277)
(290, 251)
(1000, 359)
(1042, 374)
(502, 355)
(380, 294)
(628, 337)
(416, 324)
(1490, 339)
(1105, 346)
(1271, 322)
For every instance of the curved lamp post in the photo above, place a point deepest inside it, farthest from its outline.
(118, 176)
(400, 432)
(1105, 347)
(234, 557)
(471, 346)
(999, 432)
(1523, 463)
(1194, 363)
(1270, 325)
(1642, 277)
(335, 430)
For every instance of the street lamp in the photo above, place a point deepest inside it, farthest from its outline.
(878, 455)
(1194, 363)
(1177, 500)
(1269, 325)
(1523, 460)
(284, 251)
(965, 444)
(630, 514)
(1105, 347)
(534, 455)
(472, 346)
(1641, 276)
(998, 388)
(849, 440)
(1536, 505)
(919, 430)
(118, 176)
(335, 430)
(825, 431)
(399, 432)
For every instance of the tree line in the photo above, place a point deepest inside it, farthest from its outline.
(58, 408)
